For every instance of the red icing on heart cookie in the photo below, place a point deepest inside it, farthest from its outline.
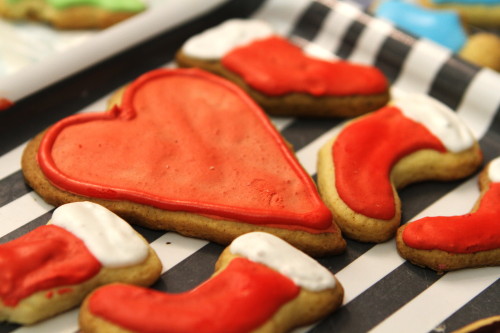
(239, 299)
(365, 152)
(185, 140)
(469, 233)
(276, 67)
(45, 258)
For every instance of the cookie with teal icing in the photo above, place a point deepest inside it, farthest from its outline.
(72, 14)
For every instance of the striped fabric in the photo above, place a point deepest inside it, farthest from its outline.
(383, 292)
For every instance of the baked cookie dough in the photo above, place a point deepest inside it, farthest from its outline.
(280, 77)
(261, 284)
(72, 14)
(448, 243)
(186, 151)
(52, 268)
(415, 138)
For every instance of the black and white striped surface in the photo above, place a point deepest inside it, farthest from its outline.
(383, 292)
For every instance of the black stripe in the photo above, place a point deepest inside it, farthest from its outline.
(190, 272)
(350, 39)
(381, 300)
(12, 187)
(393, 52)
(305, 130)
(452, 80)
(309, 23)
(484, 305)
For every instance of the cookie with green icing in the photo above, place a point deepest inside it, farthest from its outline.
(72, 14)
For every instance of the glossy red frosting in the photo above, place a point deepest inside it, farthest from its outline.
(47, 257)
(5, 104)
(365, 152)
(274, 66)
(185, 140)
(469, 233)
(239, 299)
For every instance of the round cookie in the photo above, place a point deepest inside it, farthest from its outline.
(415, 138)
(261, 284)
(448, 243)
(280, 77)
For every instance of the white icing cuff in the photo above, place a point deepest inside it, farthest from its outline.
(277, 254)
(108, 237)
(214, 43)
(437, 118)
(494, 170)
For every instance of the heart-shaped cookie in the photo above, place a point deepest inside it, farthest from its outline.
(185, 151)
(446, 243)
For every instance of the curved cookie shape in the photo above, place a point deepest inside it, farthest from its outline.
(72, 14)
(261, 284)
(359, 170)
(52, 268)
(448, 243)
(485, 325)
(185, 151)
(282, 78)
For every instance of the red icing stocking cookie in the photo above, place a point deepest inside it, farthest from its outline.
(261, 284)
(414, 139)
(283, 79)
(185, 151)
(52, 268)
(447, 243)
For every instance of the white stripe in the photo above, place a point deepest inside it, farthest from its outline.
(335, 26)
(439, 301)
(370, 41)
(281, 14)
(480, 101)
(11, 161)
(17, 213)
(421, 66)
(172, 248)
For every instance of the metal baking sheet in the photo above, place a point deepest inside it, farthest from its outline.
(383, 292)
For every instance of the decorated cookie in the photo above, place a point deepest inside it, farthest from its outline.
(186, 151)
(52, 268)
(415, 138)
(444, 27)
(280, 77)
(72, 14)
(261, 284)
(486, 325)
(448, 243)
(481, 13)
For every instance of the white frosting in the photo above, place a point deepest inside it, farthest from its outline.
(277, 254)
(494, 170)
(108, 237)
(438, 119)
(215, 42)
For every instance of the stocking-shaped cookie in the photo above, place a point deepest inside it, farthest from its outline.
(52, 268)
(446, 243)
(261, 284)
(281, 77)
(186, 151)
(414, 139)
